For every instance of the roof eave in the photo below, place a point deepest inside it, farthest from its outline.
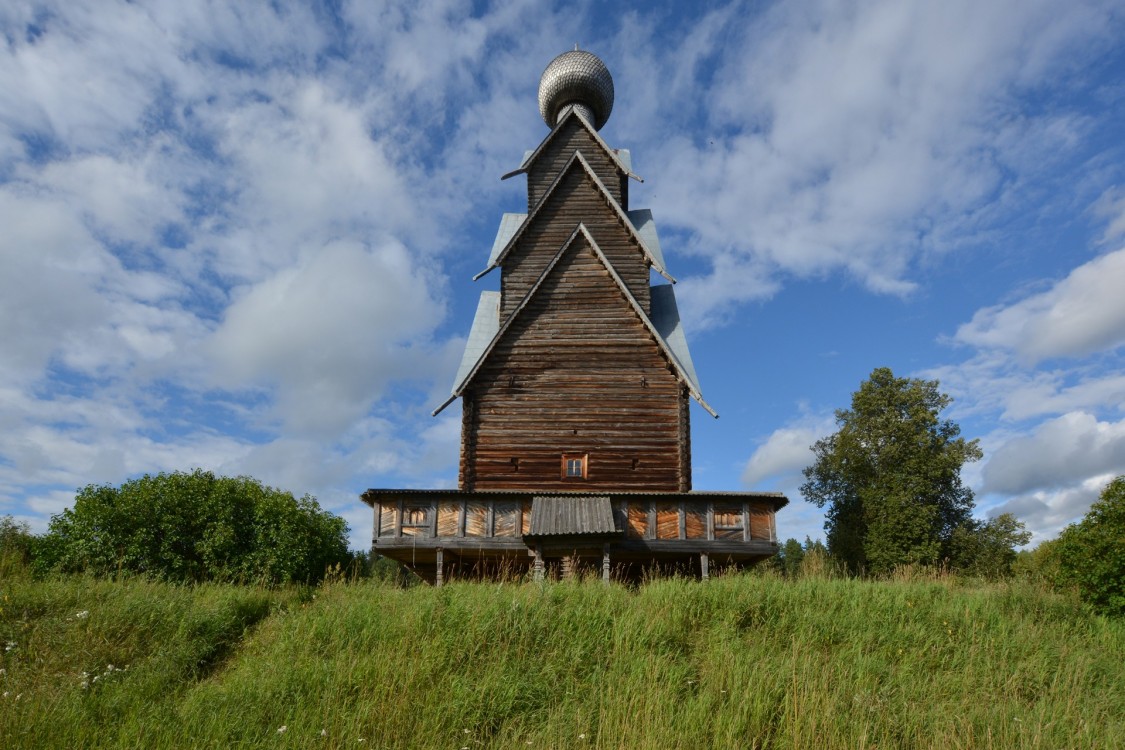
(522, 169)
(606, 196)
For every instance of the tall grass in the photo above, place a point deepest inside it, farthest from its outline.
(738, 662)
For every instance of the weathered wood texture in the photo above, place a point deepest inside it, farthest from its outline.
(466, 478)
(576, 200)
(554, 156)
(640, 518)
(577, 372)
(685, 441)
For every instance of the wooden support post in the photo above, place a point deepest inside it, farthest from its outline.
(537, 564)
(704, 566)
(438, 576)
(605, 564)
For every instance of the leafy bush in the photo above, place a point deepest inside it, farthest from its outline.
(17, 545)
(1091, 553)
(987, 548)
(196, 527)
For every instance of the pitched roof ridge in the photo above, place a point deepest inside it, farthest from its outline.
(556, 130)
(613, 204)
(581, 228)
(679, 368)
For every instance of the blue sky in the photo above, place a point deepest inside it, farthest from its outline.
(241, 236)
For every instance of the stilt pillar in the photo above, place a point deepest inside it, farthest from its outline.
(537, 564)
(605, 563)
(438, 576)
(704, 566)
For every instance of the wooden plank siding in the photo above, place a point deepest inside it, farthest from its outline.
(654, 518)
(554, 156)
(576, 200)
(577, 372)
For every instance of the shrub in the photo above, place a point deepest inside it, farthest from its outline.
(1091, 553)
(195, 527)
(17, 545)
(987, 548)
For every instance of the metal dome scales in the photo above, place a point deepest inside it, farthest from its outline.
(580, 79)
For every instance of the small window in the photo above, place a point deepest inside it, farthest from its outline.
(728, 521)
(415, 520)
(573, 466)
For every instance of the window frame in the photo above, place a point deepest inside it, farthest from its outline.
(429, 514)
(583, 462)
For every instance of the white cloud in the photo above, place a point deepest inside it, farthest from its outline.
(860, 137)
(1111, 207)
(1059, 453)
(1081, 314)
(786, 452)
(991, 383)
(1046, 512)
(331, 333)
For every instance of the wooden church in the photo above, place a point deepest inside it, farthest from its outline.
(575, 387)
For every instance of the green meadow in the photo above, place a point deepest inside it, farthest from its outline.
(742, 661)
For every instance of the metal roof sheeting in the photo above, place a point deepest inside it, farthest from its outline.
(552, 515)
(666, 321)
(509, 225)
(646, 228)
(625, 158)
(485, 325)
(695, 496)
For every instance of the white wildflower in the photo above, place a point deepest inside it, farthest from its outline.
(281, 729)
(82, 615)
(582, 736)
(323, 732)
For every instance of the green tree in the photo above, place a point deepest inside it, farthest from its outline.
(196, 527)
(987, 548)
(890, 476)
(17, 545)
(787, 561)
(791, 555)
(1091, 553)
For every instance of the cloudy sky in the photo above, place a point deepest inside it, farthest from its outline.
(241, 236)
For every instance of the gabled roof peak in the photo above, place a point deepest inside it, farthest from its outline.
(566, 117)
(579, 161)
(667, 336)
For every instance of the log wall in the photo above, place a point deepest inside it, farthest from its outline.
(573, 137)
(576, 200)
(576, 373)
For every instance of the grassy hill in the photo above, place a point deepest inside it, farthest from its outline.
(739, 662)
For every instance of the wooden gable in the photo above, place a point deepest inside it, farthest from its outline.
(571, 135)
(576, 371)
(576, 197)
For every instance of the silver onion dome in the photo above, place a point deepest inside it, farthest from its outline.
(579, 79)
